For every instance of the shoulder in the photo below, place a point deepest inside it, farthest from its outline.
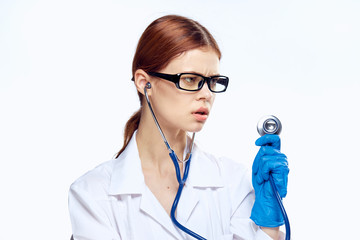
(95, 182)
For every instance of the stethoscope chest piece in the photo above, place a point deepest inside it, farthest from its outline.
(269, 125)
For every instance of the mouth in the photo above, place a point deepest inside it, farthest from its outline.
(201, 114)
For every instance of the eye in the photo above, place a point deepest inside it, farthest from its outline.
(213, 82)
(188, 79)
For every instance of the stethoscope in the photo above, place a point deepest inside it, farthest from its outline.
(266, 125)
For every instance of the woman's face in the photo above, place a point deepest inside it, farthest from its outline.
(183, 110)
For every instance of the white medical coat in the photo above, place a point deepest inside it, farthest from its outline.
(112, 202)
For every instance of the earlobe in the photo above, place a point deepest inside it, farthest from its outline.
(141, 79)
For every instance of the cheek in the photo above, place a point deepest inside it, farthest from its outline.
(178, 105)
(175, 110)
(169, 104)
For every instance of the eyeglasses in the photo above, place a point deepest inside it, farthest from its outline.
(194, 82)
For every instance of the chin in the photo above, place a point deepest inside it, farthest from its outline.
(196, 128)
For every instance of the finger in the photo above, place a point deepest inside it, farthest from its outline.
(269, 164)
(255, 166)
(280, 175)
(264, 151)
(259, 177)
(269, 151)
(270, 140)
(281, 181)
(273, 163)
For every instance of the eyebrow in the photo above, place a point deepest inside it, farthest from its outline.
(214, 75)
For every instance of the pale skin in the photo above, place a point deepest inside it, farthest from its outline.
(174, 109)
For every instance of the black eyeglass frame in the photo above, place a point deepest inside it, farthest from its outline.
(175, 78)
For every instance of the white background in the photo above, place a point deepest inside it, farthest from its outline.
(65, 95)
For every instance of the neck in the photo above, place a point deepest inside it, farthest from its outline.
(152, 149)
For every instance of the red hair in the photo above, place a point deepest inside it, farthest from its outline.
(164, 39)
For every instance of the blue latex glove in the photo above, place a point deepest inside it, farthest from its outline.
(266, 211)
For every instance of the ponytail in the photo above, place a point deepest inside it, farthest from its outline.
(130, 127)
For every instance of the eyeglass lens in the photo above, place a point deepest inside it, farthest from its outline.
(195, 82)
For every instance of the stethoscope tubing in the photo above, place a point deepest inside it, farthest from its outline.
(178, 195)
(282, 208)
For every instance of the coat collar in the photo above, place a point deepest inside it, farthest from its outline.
(127, 176)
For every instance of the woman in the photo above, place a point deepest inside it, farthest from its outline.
(176, 65)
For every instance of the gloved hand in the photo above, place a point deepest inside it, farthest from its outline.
(266, 211)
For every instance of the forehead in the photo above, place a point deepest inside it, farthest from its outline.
(200, 60)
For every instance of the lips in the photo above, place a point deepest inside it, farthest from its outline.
(201, 114)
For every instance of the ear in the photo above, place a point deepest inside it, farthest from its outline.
(140, 80)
